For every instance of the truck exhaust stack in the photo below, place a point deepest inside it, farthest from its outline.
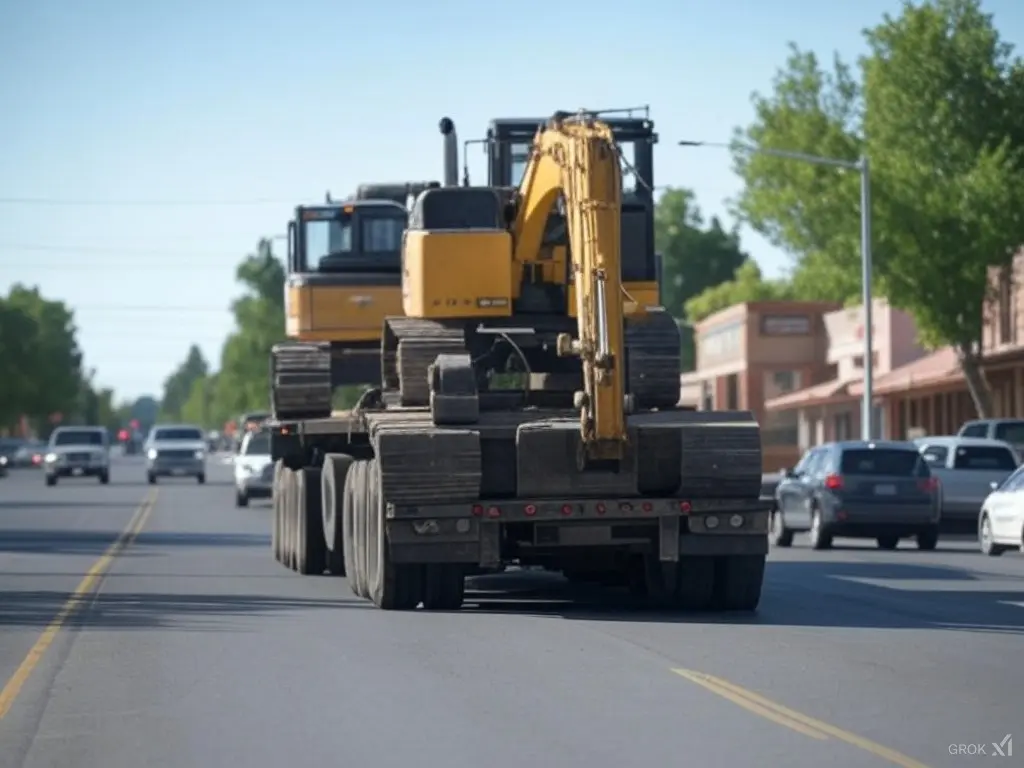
(451, 152)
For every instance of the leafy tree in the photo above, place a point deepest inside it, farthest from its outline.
(178, 386)
(39, 357)
(696, 255)
(940, 114)
(748, 284)
(242, 382)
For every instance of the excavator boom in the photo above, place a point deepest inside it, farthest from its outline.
(576, 159)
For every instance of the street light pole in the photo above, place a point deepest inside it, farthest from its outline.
(862, 167)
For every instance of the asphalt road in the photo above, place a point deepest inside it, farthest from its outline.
(196, 650)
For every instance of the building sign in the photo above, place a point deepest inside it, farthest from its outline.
(722, 342)
(785, 325)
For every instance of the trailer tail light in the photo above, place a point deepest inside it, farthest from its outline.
(493, 512)
(685, 507)
(601, 509)
(567, 509)
(647, 506)
(929, 484)
(478, 510)
(530, 510)
(625, 506)
(834, 482)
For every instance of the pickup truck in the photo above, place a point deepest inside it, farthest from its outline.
(1008, 430)
(966, 468)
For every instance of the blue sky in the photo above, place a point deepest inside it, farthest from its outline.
(235, 111)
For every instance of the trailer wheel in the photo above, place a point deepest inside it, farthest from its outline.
(738, 582)
(355, 500)
(310, 549)
(444, 587)
(332, 502)
(275, 534)
(288, 516)
(695, 583)
(391, 586)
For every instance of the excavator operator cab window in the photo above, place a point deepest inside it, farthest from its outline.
(519, 155)
(351, 238)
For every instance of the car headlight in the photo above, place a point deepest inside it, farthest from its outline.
(200, 454)
(3, 461)
(151, 453)
(51, 457)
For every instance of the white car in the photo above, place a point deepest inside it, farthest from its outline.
(254, 469)
(1001, 521)
(78, 452)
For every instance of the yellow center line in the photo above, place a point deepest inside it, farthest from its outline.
(797, 721)
(88, 585)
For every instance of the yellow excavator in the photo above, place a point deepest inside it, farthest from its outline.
(344, 275)
(581, 466)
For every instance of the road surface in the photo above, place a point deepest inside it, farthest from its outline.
(187, 646)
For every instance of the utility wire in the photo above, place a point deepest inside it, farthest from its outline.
(137, 203)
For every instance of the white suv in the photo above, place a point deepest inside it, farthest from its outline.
(78, 452)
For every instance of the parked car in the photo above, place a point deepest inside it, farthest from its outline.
(254, 469)
(966, 468)
(175, 450)
(881, 490)
(77, 452)
(1001, 520)
(1008, 430)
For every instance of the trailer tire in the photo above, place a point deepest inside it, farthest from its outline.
(695, 583)
(391, 586)
(288, 509)
(444, 587)
(352, 524)
(738, 582)
(310, 549)
(334, 508)
(275, 499)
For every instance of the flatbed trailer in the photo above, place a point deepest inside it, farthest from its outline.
(425, 506)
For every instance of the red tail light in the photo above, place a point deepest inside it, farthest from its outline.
(834, 482)
(929, 484)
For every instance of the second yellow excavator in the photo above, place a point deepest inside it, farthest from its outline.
(579, 467)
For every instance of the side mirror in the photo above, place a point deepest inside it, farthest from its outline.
(789, 472)
(994, 485)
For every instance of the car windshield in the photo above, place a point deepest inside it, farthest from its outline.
(181, 433)
(258, 445)
(78, 437)
(989, 457)
(890, 462)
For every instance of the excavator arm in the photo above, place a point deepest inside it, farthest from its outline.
(576, 158)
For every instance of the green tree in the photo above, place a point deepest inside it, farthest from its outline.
(748, 284)
(696, 255)
(940, 113)
(178, 386)
(39, 357)
(243, 380)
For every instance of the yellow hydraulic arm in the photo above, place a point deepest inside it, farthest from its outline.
(576, 157)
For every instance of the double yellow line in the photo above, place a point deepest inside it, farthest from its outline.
(87, 586)
(796, 721)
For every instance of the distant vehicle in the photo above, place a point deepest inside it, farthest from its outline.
(77, 452)
(966, 467)
(247, 423)
(881, 490)
(1008, 430)
(254, 470)
(29, 453)
(1001, 520)
(176, 450)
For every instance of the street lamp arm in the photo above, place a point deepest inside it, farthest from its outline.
(852, 165)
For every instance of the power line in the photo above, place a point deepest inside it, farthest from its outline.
(137, 203)
(72, 249)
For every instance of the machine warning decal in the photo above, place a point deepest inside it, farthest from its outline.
(485, 302)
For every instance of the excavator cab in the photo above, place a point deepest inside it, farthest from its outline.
(344, 278)
(508, 146)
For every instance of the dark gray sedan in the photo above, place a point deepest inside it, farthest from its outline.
(880, 490)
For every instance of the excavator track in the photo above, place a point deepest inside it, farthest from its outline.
(653, 360)
(300, 376)
(410, 347)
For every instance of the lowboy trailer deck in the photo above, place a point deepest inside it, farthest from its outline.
(426, 506)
